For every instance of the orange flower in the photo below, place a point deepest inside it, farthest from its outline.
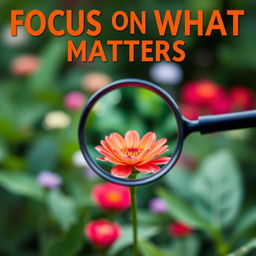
(132, 152)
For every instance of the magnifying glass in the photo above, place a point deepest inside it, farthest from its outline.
(131, 132)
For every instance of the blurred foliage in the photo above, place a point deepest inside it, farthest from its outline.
(216, 197)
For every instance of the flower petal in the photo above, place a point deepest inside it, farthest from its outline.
(106, 145)
(161, 160)
(109, 159)
(147, 140)
(130, 160)
(118, 140)
(147, 168)
(116, 153)
(142, 154)
(102, 150)
(153, 154)
(157, 146)
(132, 139)
(113, 144)
(159, 143)
(108, 154)
(121, 171)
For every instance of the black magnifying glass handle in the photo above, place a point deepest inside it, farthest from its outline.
(217, 123)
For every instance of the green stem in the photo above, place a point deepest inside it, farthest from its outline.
(42, 220)
(134, 220)
(102, 252)
(221, 247)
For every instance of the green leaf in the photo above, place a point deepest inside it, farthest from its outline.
(244, 250)
(126, 238)
(69, 243)
(147, 217)
(52, 58)
(62, 209)
(149, 249)
(21, 184)
(43, 154)
(187, 246)
(183, 212)
(246, 222)
(148, 103)
(28, 116)
(180, 180)
(204, 145)
(217, 189)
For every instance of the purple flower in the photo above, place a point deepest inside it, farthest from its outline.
(158, 205)
(90, 174)
(49, 179)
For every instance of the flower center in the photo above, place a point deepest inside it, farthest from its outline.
(206, 90)
(113, 197)
(104, 230)
(132, 151)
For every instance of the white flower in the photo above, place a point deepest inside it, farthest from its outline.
(56, 120)
(14, 41)
(78, 160)
(166, 73)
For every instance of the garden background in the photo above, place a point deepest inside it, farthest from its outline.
(204, 206)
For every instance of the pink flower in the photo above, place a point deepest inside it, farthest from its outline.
(132, 152)
(110, 196)
(178, 229)
(25, 65)
(102, 233)
(74, 100)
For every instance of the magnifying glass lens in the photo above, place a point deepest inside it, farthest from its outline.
(131, 133)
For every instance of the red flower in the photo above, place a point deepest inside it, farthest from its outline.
(202, 98)
(241, 98)
(201, 92)
(189, 111)
(110, 196)
(102, 233)
(178, 229)
(220, 106)
(132, 152)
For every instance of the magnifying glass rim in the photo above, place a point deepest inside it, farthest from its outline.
(124, 83)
